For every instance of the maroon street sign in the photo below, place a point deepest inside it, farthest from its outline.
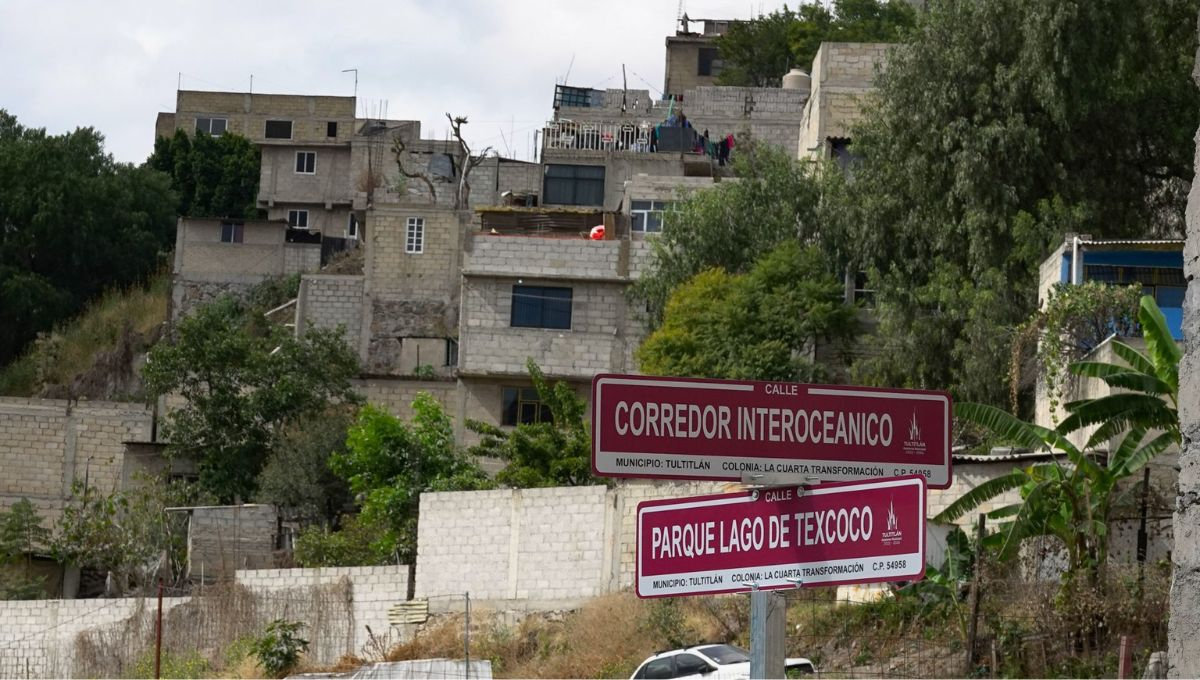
(829, 534)
(687, 428)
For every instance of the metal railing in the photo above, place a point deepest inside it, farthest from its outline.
(566, 134)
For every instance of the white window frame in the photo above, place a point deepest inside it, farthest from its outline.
(295, 224)
(306, 155)
(414, 236)
(210, 120)
(659, 208)
(352, 227)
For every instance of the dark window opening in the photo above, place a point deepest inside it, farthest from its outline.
(451, 352)
(862, 291)
(232, 232)
(541, 307)
(331, 129)
(523, 406)
(352, 226)
(279, 129)
(710, 63)
(839, 151)
(574, 185)
(298, 219)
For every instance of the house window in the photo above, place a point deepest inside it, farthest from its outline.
(522, 406)
(279, 129)
(306, 162)
(414, 241)
(710, 64)
(541, 307)
(298, 219)
(212, 126)
(352, 226)
(862, 290)
(647, 216)
(231, 232)
(331, 128)
(574, 185)
(451, 352)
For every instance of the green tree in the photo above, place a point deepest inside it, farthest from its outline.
(1148, 384)
(1073, 322)
(297, 478)
(353, 543)
(1000, 126)
(389, 464)
(755, 326)
(125, 532)
(214, 176)
(21, 533)
(73, 223)
(554, 452)
(1072, 499)
(241, 388)
(759, 52)
(732, 224)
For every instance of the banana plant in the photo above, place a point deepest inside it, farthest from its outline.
(1071, 496)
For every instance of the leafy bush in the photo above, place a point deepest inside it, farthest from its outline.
(278, 649)
(172, 665)
(357, 543)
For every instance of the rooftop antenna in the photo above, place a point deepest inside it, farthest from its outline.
(179, 82)
(348, 70)
(569, 66)
(251, 83)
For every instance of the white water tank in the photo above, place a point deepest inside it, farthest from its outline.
(797, 79)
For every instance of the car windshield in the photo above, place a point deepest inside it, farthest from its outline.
(724, 654)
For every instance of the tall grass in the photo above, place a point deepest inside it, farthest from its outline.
(71, 348)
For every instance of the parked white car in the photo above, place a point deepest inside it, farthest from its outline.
(709, 662)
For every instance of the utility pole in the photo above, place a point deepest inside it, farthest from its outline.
(467, 639)
(158, 634)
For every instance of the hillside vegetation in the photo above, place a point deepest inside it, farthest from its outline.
(91, 355)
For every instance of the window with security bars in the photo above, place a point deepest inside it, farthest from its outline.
(574, 185)
(414, 241)
(523, 406)
(541, 307)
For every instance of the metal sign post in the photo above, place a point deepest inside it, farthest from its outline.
(768, 615)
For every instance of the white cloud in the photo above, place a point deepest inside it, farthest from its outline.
(115, 65)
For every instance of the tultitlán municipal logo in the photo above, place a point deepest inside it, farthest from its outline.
(914, 443)
(892, 535)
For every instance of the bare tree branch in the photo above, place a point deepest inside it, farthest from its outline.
(399, 148)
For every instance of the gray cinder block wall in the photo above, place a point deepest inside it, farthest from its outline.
(1182, 642)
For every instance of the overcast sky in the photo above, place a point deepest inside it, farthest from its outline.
(115, 64)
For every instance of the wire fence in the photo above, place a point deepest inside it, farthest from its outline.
(1026, 625)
